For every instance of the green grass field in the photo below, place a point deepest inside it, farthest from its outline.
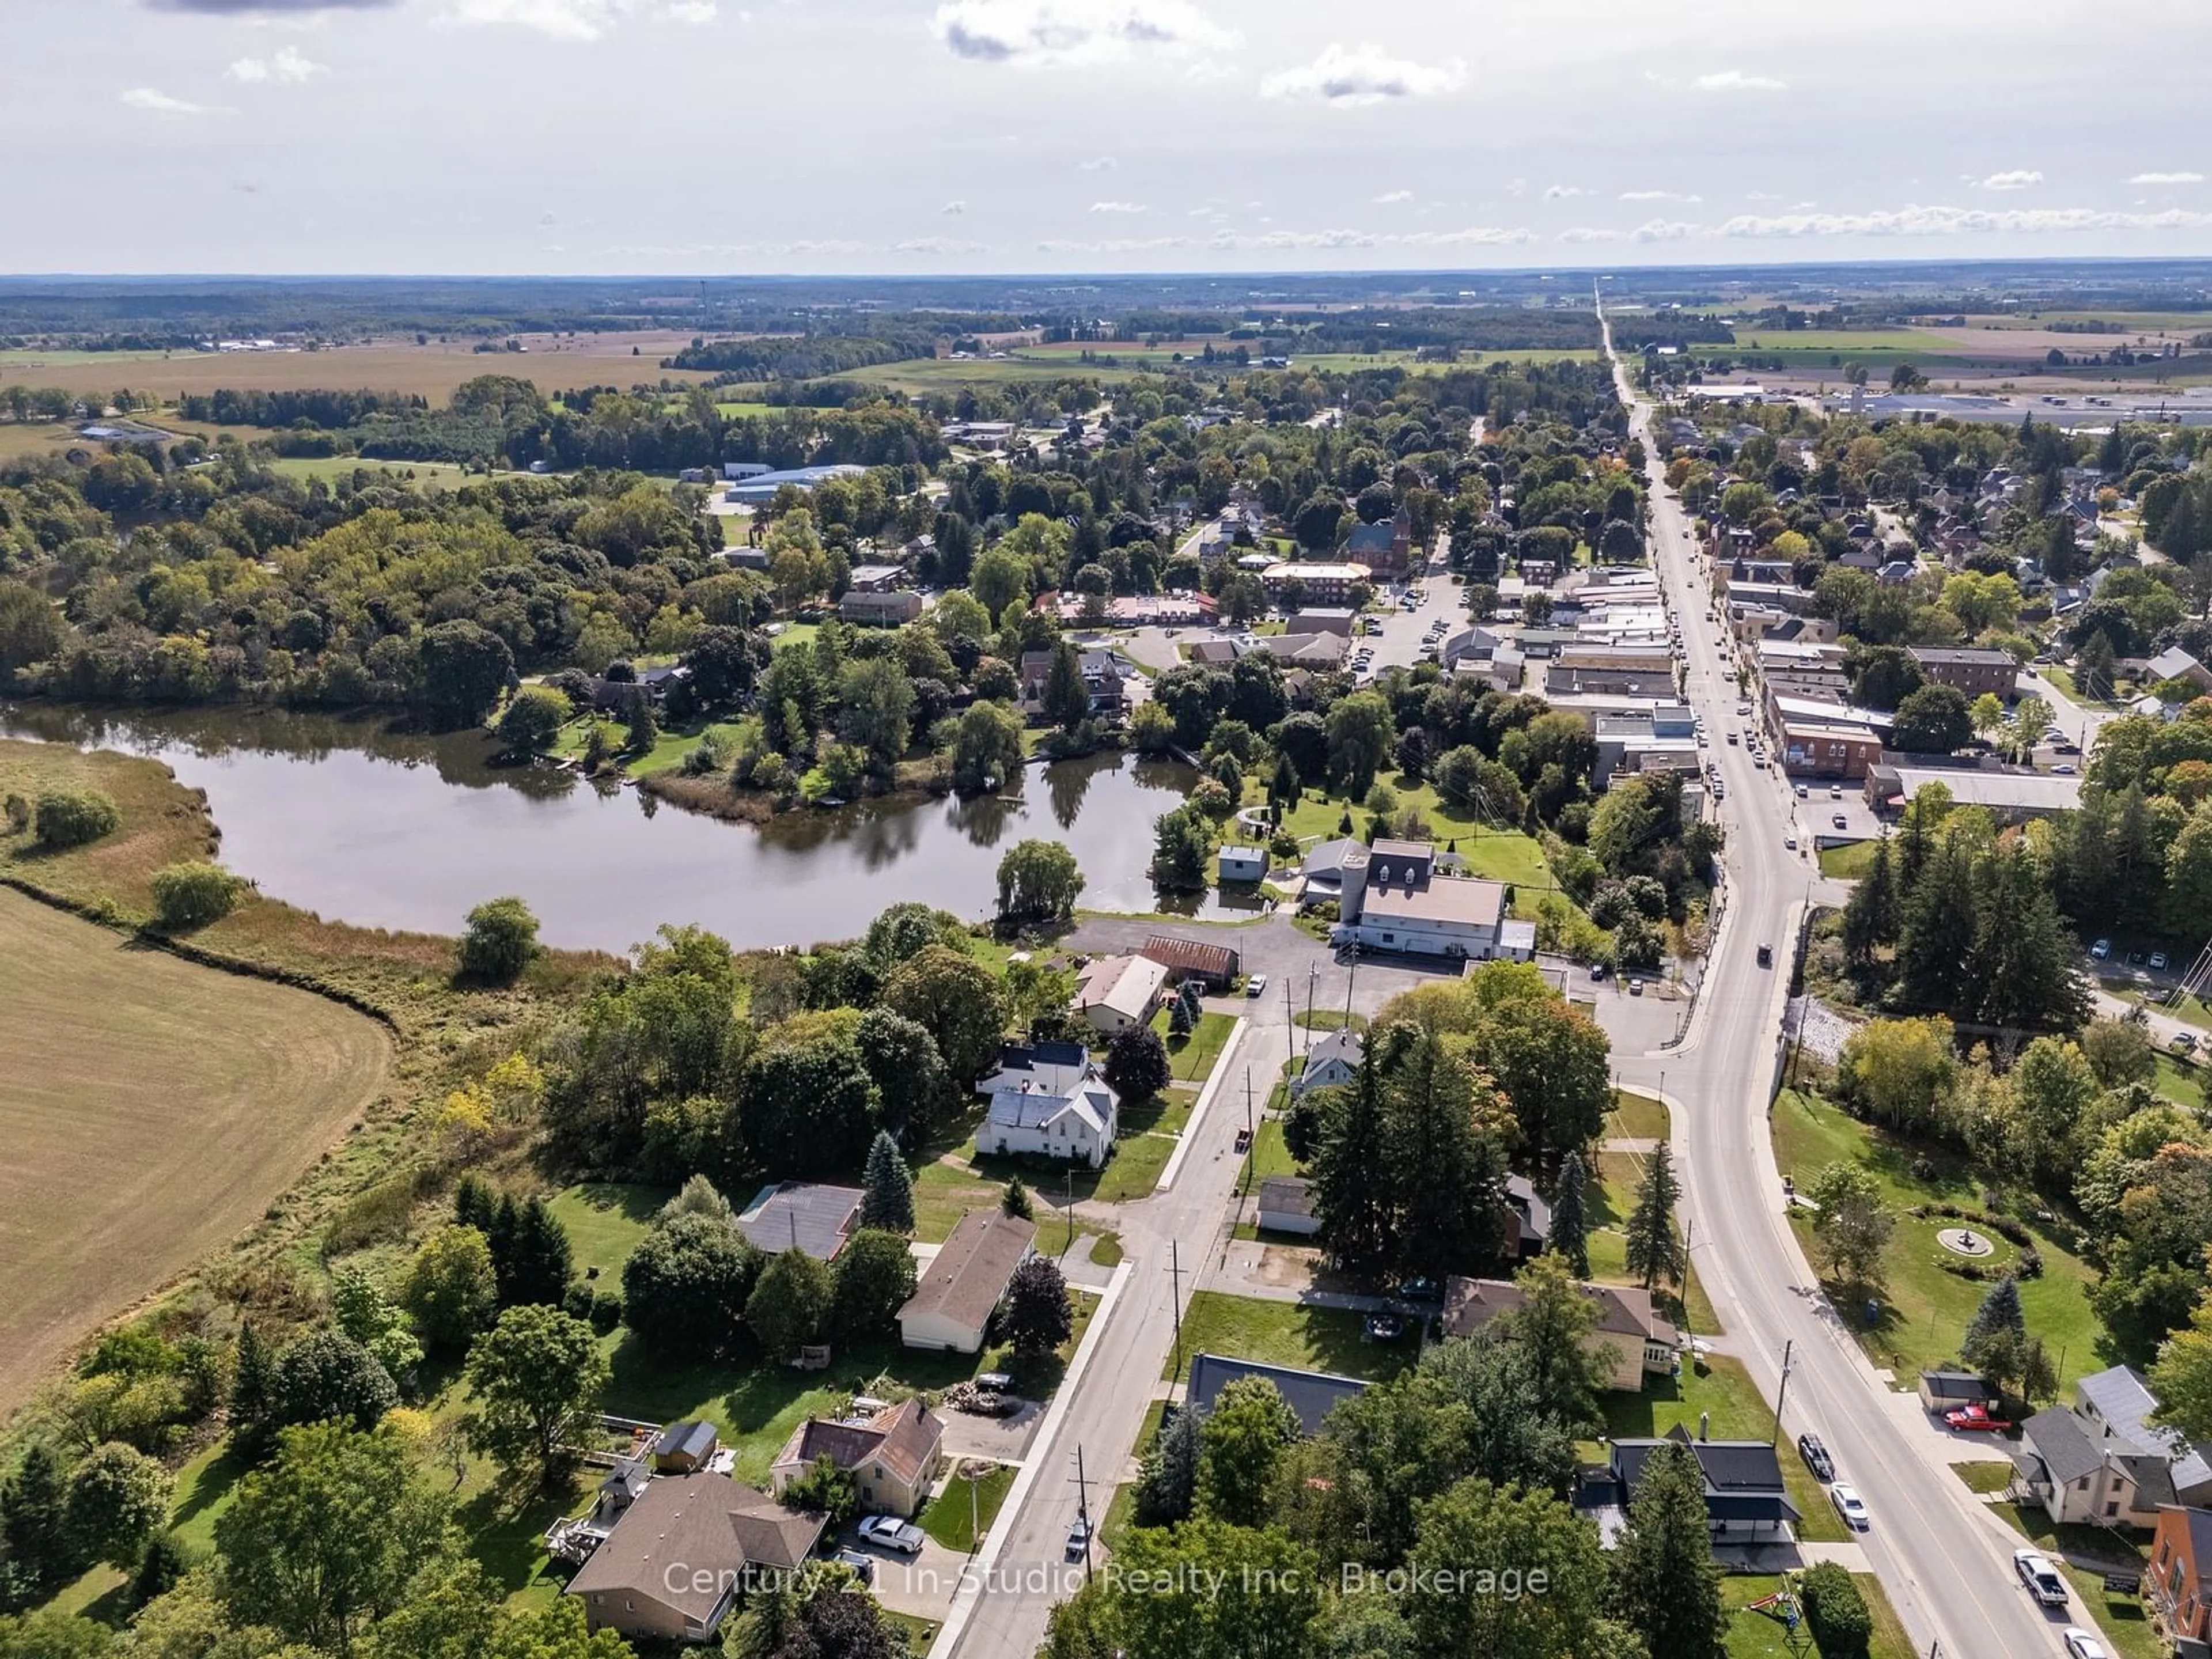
(1286, 1333)
(1926, 1309)
(1763, 1635)
(431, 475)
(605, 1219)
(1637, 1117)
(1191, 1059)
(961, 1514)
(1849, 863)
(1499, 856)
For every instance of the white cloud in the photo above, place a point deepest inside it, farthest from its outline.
(1473, 236)
(954, 207)
(1737, 81)
(1392, 197)
(1076, 32)
(1365, 75)
(578, 20)
(1117, 245)
(1516, 186)
(936, 245)
(1914, 221)
(2015, 179)
(2168, 178)
(286, 68)
(1589, 234)
(1562, 192)
(158, 103)
(1098, 164)
(1119, 207)
(1662, 230)
(1662, 195)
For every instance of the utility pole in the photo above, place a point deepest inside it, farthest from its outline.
(1313, 975)
(1783, 1394)
(1082, 1510)
(1248, 1128)
(1351, 983)
(1175, 1298)
(1068, 1207)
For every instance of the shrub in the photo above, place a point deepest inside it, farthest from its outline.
(71, 817)
(1842, 1626)
(193, 895)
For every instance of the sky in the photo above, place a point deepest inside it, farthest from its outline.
(710, 137)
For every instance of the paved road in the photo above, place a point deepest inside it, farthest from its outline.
(1943, 1559)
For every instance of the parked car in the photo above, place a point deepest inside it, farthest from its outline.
(2135, 958)
(1256, 985)
(863, 1566)
(1976, 1420)
(887, 1532)
(2182, 1043)
(1421, 1290)
(1802, 793)
(1816, 1456)
(2041, 1578)
(1078, 1537)
(2101, 949)
(1835, 791)
(1597, 970)
(1382, 1328)
(1850, 1505)
(2158, 961)
(995, 1383)
(2082, 1645)
(1840, 821)
(1790, 842)
(1766, 955)
(2061, 771)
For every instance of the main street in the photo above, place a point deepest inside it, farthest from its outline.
(1943, 1558)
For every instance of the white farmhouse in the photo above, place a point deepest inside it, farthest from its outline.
(1050, 1099)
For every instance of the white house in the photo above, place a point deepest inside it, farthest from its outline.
(1405, 905)
(1331, 1062)
(1118, 992)
(1050, 1099)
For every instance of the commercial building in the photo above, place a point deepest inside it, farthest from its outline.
(1325, 619)
(1330, 583)
(761, 487)
(875, 608)
(2008, 797)
(1405, 905)
(1968, 671)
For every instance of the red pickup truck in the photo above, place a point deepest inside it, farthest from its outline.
(1977, 1418)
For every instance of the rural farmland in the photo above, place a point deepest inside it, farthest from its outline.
(152, 1109)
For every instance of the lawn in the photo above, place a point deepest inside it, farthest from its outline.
(942, 1193)
(1985, 1478)
(1762, 1635)
(2122, 1618)
(1191, 1058)
(604, 1220)
(1720, 1390)
(435, 474)
(1637, 1117)
(959, 1516)
(1926, 1309)
(1286, 1334)
(1498, 855)
(1848, 863)
(2180, 1083)
(155, 1109)
(1269, 1155)
(1611, 1195)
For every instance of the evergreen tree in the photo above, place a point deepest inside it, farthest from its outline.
(1167, 1483)
(1937, 937)
(1870, 915)
(163, 1562)
(474, 1204)
(1999, 1315)
(1350, 1191)
(1569, 1215)
(1667, 1587)
(537, 1265)
(2024, 964)
(500, 1237)
(1015, 1200)
(1655, 1255)
(887, 1190)
(249, 1380)
(1446, 1171)
(1179, 1020)
(1285, 790)
(34, 1527)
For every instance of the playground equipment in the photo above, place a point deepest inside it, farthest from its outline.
(1787, 1608)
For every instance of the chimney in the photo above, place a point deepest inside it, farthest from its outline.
(1704, 1425)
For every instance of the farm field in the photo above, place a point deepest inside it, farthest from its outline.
(435, 475)
(396, 365)
(153, 1110)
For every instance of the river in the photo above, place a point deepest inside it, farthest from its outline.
(346, 817)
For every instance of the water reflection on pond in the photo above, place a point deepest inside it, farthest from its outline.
(353, 819)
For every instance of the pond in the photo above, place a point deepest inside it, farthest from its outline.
(347, 817)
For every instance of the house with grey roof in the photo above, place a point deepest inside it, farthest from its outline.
(671, 1569)
(1745, 1502)
(2104, 1461)
(1050, 1099)
(801, 1215)
(1311, 1394)
(1332, 1062)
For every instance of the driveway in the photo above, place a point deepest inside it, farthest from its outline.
(1002, 1439)
(921, 1586)
(1295, 963)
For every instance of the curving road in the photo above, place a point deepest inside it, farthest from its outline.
(1944, 1560)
